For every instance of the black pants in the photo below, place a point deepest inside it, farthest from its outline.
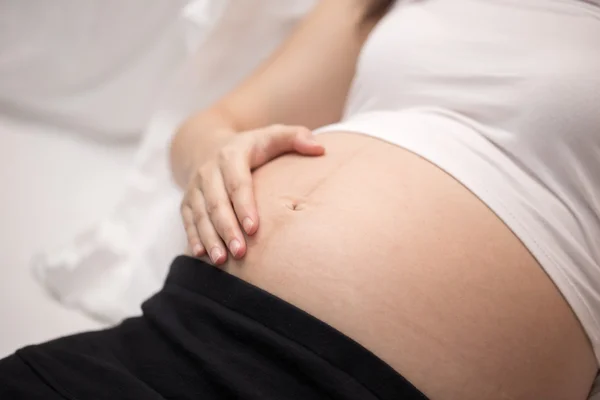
(205, 335)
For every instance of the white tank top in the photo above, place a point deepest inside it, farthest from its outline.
(504, 95)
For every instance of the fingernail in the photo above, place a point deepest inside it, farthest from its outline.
(197, 250)
(234, 247)
(215, 254)
(248, 224)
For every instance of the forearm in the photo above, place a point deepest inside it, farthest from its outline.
(198, 137)
(304, 83)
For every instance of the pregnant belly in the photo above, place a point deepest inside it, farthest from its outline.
(399, 256)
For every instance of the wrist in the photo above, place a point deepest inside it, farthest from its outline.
(202, 150)
(196, 140)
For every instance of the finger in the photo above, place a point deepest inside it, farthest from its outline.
(222, 216)
(277, 140)
(237, 178)
(306, 144)
(208, 235)
(194, 244)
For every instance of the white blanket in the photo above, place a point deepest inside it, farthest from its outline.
(78, 82)
(108, 270)
(94, 66)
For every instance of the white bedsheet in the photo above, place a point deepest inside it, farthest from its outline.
(102, 219)
(78, 82)
(95, 66)
(53, 184)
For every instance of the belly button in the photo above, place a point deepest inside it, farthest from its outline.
(295, 204)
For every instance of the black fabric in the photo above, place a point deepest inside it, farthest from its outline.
(205, 335)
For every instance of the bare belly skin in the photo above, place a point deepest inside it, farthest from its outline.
(399, 256)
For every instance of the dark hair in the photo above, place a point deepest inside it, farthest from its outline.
(378, 8)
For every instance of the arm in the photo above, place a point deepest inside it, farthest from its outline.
(304, 83)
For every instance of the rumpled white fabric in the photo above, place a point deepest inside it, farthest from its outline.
(94, 66)
(108, 270)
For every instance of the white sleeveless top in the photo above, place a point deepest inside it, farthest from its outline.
(504, 95)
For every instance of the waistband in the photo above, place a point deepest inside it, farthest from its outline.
(293, 323)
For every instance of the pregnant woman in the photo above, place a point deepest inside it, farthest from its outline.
(440, 242)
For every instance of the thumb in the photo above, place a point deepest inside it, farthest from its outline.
(306, 144)
(279, 140)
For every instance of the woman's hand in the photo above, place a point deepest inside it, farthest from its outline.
(219, 199)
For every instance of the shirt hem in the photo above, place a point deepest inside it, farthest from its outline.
(388, 125)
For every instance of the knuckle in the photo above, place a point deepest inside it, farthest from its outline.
(261, 141)
(247, 135)
(194, 201)
(205, 169)
(201, 170)
(192, 238)
(187, 221)
(235, 186)
(302, 131)
(203, 177)
(213, 207)
(276, 127)
(226, 154)
(198, 218)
